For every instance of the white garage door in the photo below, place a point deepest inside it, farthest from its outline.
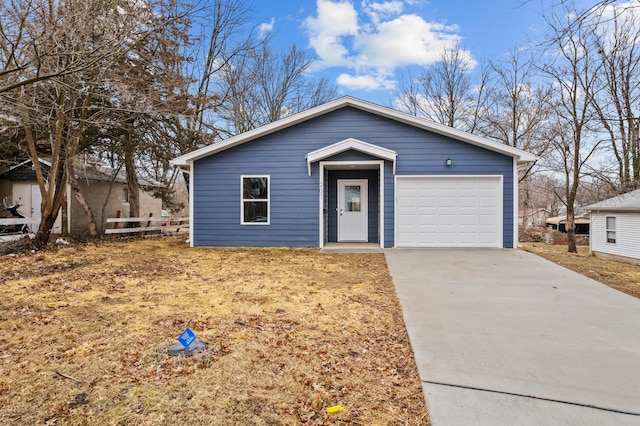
(452, 211)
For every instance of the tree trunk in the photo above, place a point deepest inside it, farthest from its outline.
(52, 185)
(53, 197)
(571, 233)
(44, 231)
(132, 176)
(65, 220)
(571, 219)
(525, 203)
(88, 213)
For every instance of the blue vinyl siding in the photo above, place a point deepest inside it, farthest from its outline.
(295, 195)
(293, 198)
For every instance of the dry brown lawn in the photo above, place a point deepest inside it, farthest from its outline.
(621, 276)
(290, 333)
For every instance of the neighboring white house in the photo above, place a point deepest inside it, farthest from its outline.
(535, 217)
(615, 227)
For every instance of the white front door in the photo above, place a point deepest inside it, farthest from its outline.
(352, 210)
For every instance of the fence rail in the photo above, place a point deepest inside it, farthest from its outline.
(11, 236)
(18, 221)
(173, 225)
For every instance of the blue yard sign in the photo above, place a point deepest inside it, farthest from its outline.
(187, 338)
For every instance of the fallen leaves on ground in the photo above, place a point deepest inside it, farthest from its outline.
(289, 333)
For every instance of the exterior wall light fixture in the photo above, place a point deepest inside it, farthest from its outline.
(448, 162)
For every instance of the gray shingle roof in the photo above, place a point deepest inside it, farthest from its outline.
(91, 171)
(625, 202)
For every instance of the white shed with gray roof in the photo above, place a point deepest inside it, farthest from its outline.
(615, 227)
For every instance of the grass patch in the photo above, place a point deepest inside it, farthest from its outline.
(619, 275)
(290, 332)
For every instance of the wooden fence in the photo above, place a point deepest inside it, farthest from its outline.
(6, 237)
(18, 221)
(132, 225)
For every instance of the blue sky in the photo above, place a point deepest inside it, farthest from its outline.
(362, 45)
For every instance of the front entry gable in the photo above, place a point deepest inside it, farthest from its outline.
(351, 144)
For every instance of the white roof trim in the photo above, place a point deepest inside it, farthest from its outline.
(519, 155)
(48, 163)
(346, 145)
(18, 165)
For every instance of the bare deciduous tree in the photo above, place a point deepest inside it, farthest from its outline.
(445, 92)
(67, 46)
(573, 70)
(616, 35)
(69, 50)
(264, 86)
(519, 113)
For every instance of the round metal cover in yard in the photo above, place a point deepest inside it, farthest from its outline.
(194, 348)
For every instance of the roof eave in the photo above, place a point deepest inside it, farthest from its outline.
(520, 155)
(186, 159)
(425, 124)
(613, 209)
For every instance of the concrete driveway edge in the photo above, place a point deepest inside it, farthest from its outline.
(509, 323)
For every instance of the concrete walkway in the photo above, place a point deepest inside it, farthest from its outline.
(504, 337)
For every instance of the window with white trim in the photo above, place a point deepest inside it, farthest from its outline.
(611, 229)
(255, 200)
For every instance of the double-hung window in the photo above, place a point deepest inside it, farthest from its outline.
(611, 229)
(255, 200)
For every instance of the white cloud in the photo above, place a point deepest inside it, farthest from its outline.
(374, 43)
(406, 40)
(265, 28)
(616, 18)
(378, 11)
(335, 21)
(365, 82)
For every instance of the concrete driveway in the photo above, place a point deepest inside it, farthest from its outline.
(504, 337)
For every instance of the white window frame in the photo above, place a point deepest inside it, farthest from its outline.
(610, 231)
(243, 200)
(125, 194)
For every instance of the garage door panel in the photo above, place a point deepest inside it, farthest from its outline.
(425, 202)
(447, 201)
(427, 220)
(447, 220)
(468, 220)
(407, 225)
(428, 236)
(447, 238)
(487, 202)
(468, 237)
(457, 211)
(486, 220)
(408, 201)
(468, 201)
(486, 240)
